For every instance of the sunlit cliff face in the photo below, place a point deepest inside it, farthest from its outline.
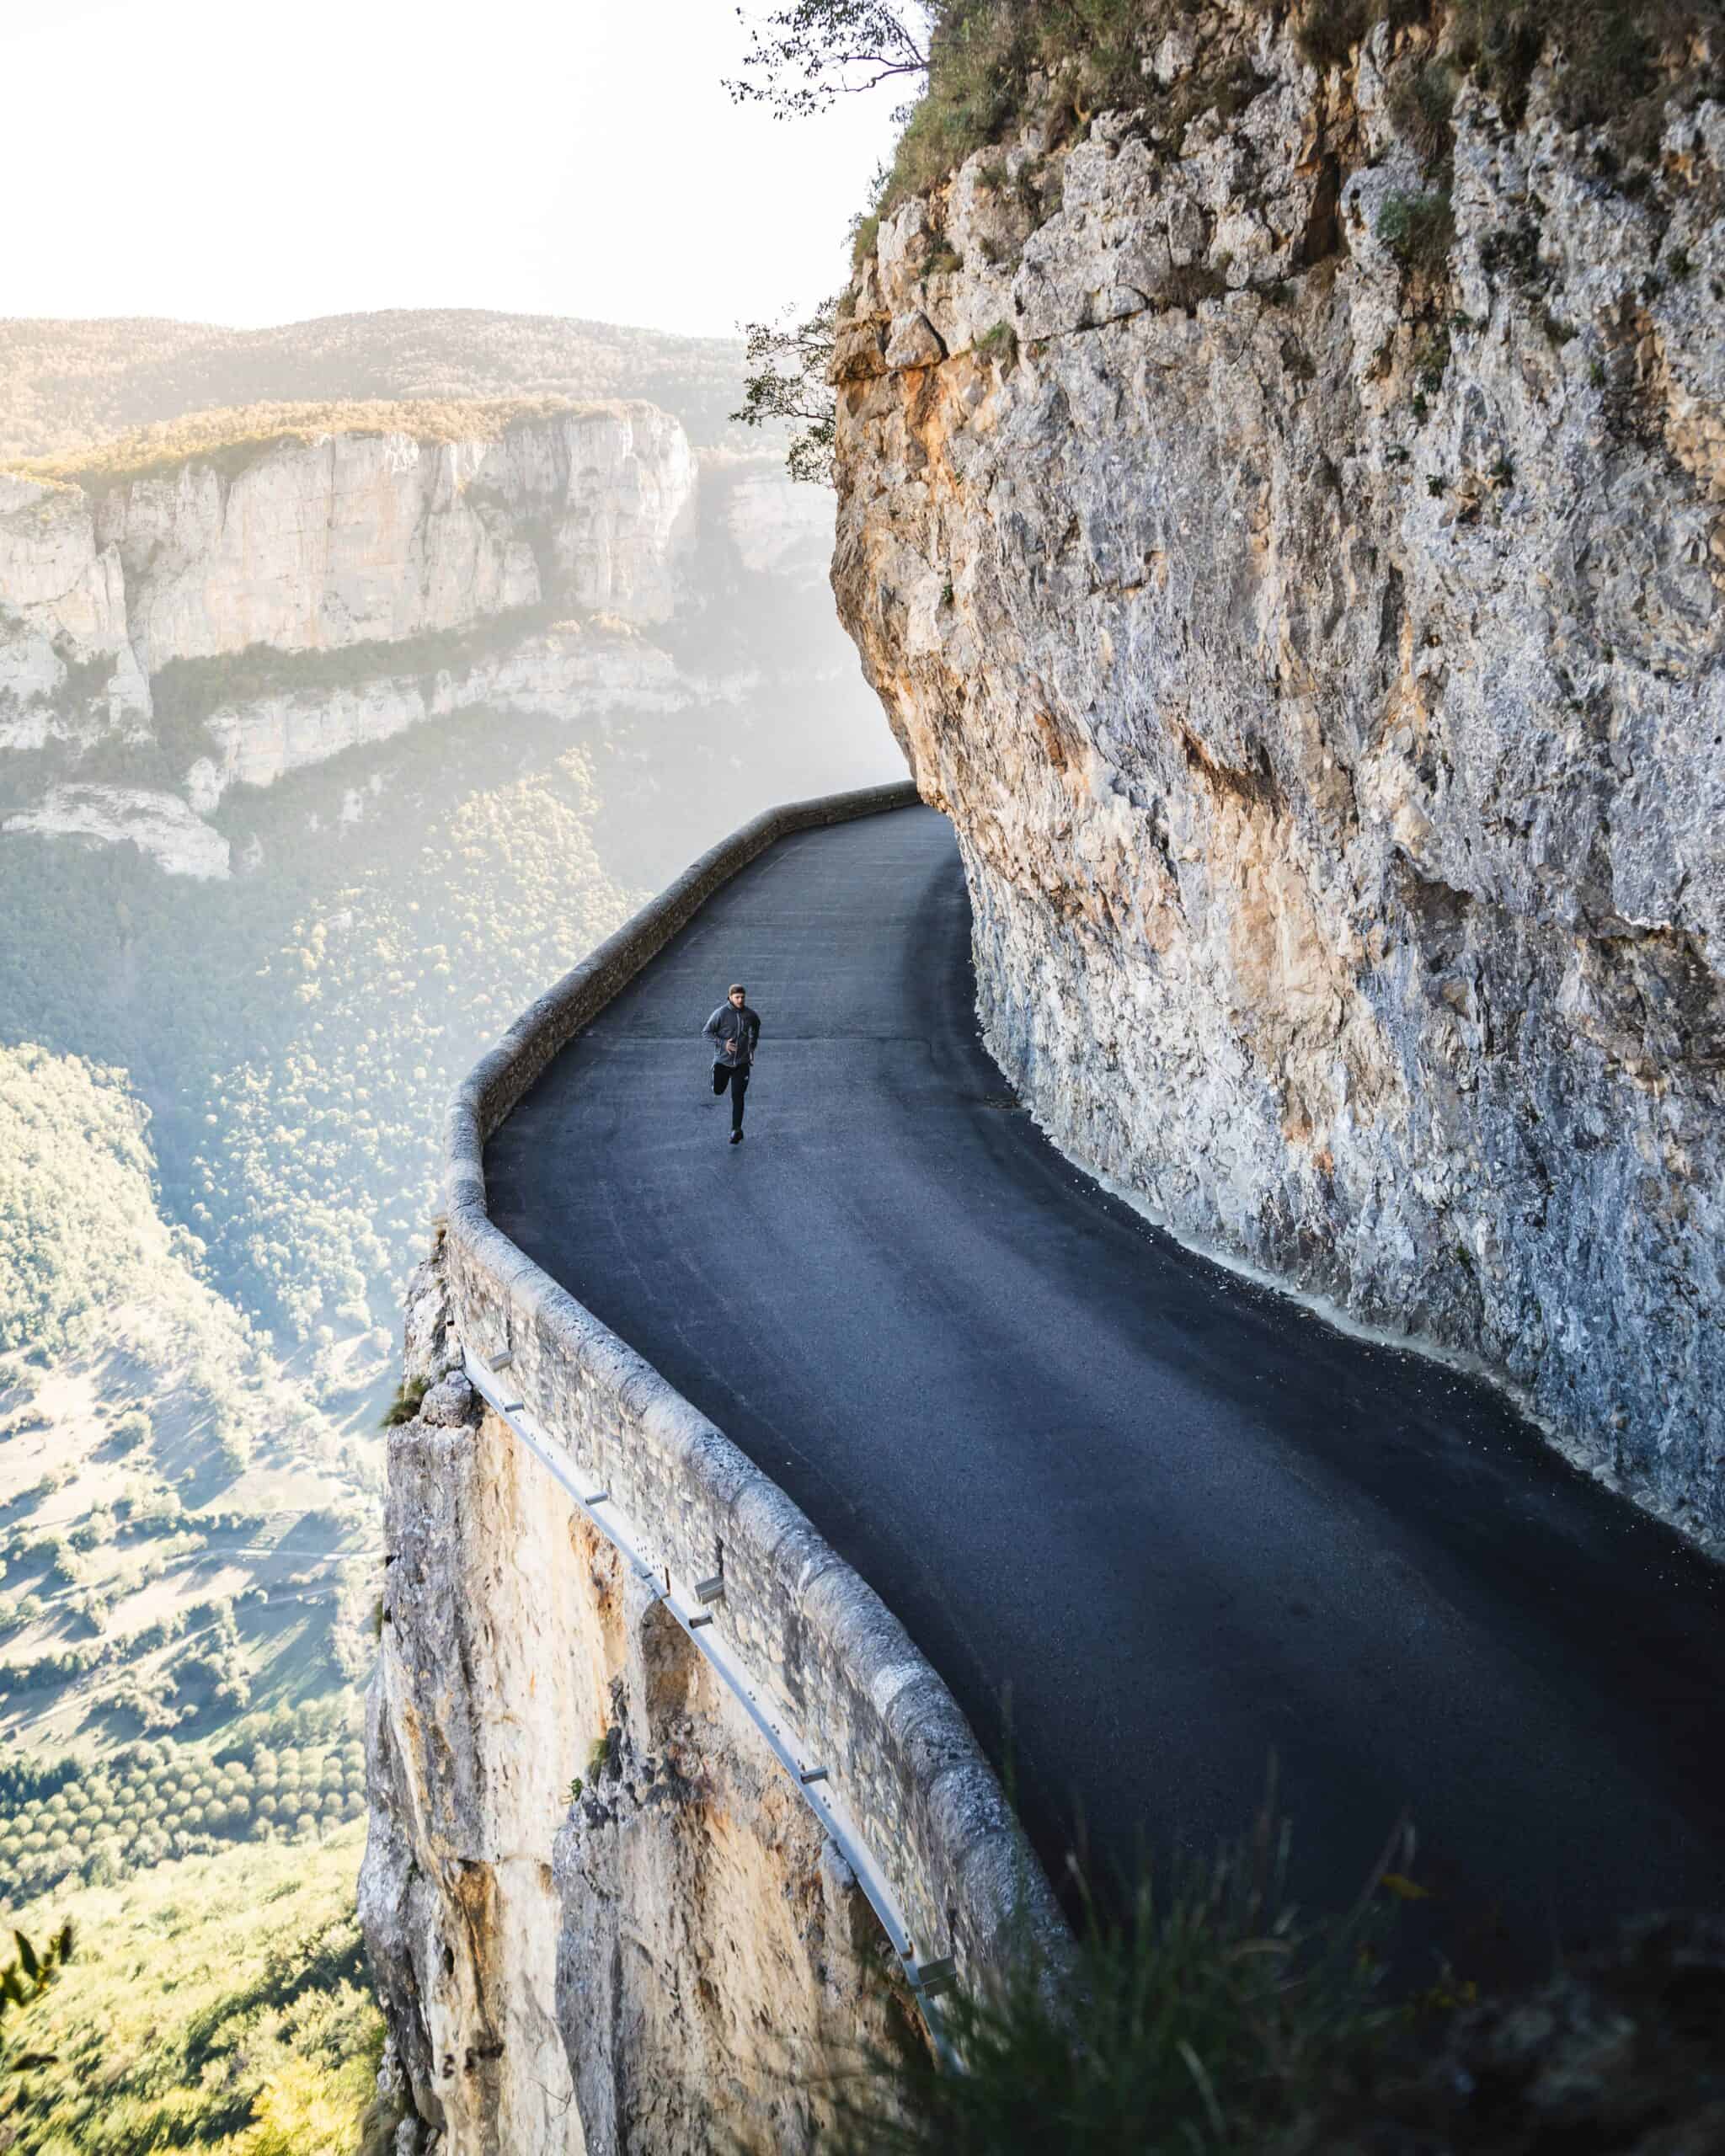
(319, 543)
(1317, 645)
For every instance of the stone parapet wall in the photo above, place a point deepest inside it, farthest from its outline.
(818, 1645)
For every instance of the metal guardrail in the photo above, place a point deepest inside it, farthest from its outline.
(688, 1606)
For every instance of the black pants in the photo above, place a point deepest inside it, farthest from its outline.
(736, 1077)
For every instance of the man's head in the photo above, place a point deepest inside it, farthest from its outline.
(736, 992)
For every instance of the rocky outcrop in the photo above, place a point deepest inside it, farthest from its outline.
(365, 537)
(62, 618)
(1283, 524)
(314, 546)
(1617, 2054)
(599, 1917)
(159, 824)
(572, 670)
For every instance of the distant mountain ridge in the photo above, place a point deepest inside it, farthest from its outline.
(64, 384)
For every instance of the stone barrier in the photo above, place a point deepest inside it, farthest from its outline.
(819, 1649)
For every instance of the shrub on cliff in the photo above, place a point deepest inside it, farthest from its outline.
(975, 61)
(1614, 62)
(986, 57)
(1418, 230)
(786, 384)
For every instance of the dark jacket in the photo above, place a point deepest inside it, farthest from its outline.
(740, 1029)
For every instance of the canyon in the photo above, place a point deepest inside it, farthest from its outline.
(320, 540)
(206, 606)
(1286, 531)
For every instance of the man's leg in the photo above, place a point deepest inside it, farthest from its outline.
(719, 1075)
(740, 1086)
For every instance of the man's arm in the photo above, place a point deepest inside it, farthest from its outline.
(754, 1033)
(712, 1026)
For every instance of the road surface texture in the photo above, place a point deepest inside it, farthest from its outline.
(1180, 1521)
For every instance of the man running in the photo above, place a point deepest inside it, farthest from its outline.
(736, 1029)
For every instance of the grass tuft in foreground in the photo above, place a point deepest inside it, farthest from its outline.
(1207, 2021)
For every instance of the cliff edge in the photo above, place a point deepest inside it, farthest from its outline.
(599, 1916)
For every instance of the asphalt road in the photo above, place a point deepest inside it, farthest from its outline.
(1179, 1522)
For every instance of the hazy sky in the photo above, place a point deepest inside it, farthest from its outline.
(265, 161)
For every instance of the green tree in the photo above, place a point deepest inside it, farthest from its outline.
(804, 57)
(800, 61)
(785, 384)
(23, 1982)
(130, 1430)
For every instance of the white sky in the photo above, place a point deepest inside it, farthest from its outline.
(252, 161)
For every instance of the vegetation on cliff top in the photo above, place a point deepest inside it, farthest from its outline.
(985, 67)
(231, 438)
(63, 384)
(1614, 62)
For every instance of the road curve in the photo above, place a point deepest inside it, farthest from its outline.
(1181, 1523)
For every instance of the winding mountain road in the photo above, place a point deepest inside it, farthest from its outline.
(1181, 1522)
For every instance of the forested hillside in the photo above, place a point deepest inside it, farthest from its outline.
(187, 1536)
(220, 1109)
(221, 2005)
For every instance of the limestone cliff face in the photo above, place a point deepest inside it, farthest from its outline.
(159, 824)
(262, 608)
(362, 537)
(62, 613)
(1312, 623)
(309, 547)
(778, 526)
(667, 1959)
(572, 670)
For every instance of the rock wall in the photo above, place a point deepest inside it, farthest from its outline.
(1283, 524)
(159, 824)
(675, 1957)
(315, 546)
(362, 537)
(62, 613)
(779, 526)
(572, 670)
